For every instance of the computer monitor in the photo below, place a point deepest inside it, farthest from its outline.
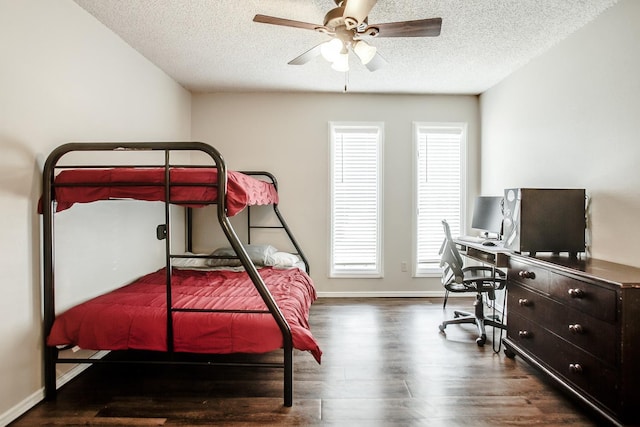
(488, 215)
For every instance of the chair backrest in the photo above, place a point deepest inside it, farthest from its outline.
(450, 258)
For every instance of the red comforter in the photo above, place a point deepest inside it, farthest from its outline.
(134, 316)
(104, 184)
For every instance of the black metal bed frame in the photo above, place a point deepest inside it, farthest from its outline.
(51, 356)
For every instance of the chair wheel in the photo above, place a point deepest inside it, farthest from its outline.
(481, 340)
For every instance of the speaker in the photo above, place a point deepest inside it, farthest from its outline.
(544, 220)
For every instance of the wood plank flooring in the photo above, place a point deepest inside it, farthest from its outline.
(385, 363)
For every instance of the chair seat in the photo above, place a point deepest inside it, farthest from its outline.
(477, 279)
(471, 287)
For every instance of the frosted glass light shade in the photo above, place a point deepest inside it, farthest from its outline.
(365, 51)
(341, 62)
(331, 49)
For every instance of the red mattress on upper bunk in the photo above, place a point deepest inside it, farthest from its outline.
(134, 316)
(105, 184)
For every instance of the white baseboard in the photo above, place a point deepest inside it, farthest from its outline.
(22, 407)
(385, 294)
(37, 397)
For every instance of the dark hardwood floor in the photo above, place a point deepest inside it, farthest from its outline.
(385, 363)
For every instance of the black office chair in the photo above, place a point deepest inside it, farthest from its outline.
(478, 279)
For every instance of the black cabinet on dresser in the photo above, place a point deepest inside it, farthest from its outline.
(579, 322)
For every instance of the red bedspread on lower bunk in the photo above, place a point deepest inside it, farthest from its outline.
(242, 190)
(134, 316)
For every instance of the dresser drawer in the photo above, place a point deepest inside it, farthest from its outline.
(530, 275)
(577, 367)
(589, 333)
(589, 298)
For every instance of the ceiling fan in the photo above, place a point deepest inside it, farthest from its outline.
(348, 27)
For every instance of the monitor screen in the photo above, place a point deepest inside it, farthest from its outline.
(488, 214)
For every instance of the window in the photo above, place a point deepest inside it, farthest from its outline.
(356, 199)
(439, 165)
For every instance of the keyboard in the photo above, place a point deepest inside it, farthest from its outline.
(471, 239)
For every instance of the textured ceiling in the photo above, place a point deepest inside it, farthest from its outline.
(214, 46)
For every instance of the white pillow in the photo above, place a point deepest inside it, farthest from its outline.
(283, 260)
(259, 255)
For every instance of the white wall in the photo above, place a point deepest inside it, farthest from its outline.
(287, 134)
(567, 119)
(65, 77)
(570, 119)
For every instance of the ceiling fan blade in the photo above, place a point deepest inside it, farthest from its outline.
(307, 56)
(376, 63)
(264, 19)
(418, 28)
(356, 11)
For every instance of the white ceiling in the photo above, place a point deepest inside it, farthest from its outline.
(214, 45)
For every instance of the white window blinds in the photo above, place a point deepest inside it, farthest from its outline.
(438, 189)
(356, 199)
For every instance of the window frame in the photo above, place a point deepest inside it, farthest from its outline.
(333, 270)
(434, 269)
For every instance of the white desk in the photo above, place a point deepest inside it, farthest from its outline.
(497, 256)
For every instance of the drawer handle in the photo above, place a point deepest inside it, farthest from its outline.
(576, 329)
(576, 293)
(575, 368)
(525, 334)
(523, 302)
(527, 274)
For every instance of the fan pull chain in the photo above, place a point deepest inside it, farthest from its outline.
(346, 81)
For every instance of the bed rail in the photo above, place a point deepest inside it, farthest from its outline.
(48, 209)
(283, 224)
(250, 226)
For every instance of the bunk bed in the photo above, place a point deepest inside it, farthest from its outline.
(185, 306)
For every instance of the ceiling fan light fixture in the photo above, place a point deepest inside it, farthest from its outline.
(341, 63)
(331, 49)
(347, 25)
(365, 51)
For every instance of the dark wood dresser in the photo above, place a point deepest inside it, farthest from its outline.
(579, 323)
